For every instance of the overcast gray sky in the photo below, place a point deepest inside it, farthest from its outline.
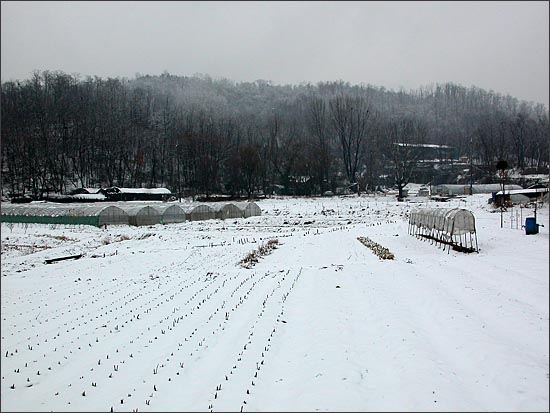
(500, 46)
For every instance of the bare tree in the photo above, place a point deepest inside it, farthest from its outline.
(518, 129)
(317, 122)
(249, 165)
(405, 138)
(350, 120)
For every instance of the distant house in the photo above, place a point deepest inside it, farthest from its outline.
(427, 162)
(137, 194)
(87, 195)
(431, 152)
(85, 191)
(519, 194)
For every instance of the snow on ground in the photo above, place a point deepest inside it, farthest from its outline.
(164, 318)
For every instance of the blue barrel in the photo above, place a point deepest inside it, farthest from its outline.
(531, 226)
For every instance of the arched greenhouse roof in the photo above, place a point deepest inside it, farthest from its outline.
(64, 214)
(171, 213)
(227, 210)
(142, 214)
(453, 221)
(249, 208)
(199, 212)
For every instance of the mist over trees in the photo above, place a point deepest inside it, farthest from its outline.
(197, 135)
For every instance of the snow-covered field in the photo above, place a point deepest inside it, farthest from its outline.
(164, 318)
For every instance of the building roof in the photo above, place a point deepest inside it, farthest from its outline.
(525, 191)
(424, 145)
(115, 189)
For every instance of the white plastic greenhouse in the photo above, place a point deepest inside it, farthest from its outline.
(171, 214)
(453, 227)
(199, 212)
(44, 213)
(453, 189)
(250, 209)
(225, 211)
(142, 215)
(124, 213)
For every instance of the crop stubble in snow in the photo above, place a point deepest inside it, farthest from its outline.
(165, 318)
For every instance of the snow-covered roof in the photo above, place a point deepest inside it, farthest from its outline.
(139, 190)
(423, 145)
(524, 191)
(95, 196)
(92, 190)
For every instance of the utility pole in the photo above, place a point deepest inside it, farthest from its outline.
(501, 167)
(471, 167)
(178, 166)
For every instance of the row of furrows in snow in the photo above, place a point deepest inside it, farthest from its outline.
(61, 290)
(25, 364)
(97, 292)
(243, 376)
(69, 293)
(170, 286)
(118, 363)
(83, 309)
(208, 328)
(203, 343)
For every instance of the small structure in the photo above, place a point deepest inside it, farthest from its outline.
(85, 191)
(20, 199)
(519, 195)
(452, 227)
(423, 191)
(86, 195)
(137, 194)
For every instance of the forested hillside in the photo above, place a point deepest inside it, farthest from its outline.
(202, 135)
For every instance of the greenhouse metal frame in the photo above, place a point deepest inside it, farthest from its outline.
(449, 227)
